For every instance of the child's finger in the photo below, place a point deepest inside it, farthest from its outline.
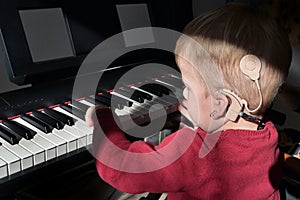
(89, 116)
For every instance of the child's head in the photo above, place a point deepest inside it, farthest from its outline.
(228, 34)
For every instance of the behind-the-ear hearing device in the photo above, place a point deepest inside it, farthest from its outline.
(235, 106)
(250, 65)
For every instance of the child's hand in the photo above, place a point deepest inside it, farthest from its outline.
(286, 156)
(90, 115)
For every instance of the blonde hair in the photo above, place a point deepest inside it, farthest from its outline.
(229, 33)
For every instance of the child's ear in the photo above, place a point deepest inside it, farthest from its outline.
(220, 105)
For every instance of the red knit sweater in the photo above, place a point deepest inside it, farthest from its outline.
(242, 164)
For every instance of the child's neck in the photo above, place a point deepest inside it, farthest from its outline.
(241, 124)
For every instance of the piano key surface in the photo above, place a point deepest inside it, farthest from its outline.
(13, 162)
(3, 169)
(25, 156)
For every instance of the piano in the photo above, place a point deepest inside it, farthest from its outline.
(44, 141)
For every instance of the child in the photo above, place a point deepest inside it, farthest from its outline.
(251, 56)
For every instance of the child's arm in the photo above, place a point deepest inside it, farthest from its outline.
(139, 178)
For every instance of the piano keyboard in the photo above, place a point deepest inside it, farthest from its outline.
(33, 138)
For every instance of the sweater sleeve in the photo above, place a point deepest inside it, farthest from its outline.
(140, 166)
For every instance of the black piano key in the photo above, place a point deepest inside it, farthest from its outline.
(151, 89)
(159, 90)
(19, 129)
(102, 100)
(116, 99)
(163, 89)
(121, 101)
(37, 123)
(166, 91)
(79, 105)
(138, 93)
(163, 85)
(75, 111)
(115, 103)
(8, 136)
(92, 100)
(105, 94)
(59, 116)
(48, 120)
(172, 99)
(134, 96)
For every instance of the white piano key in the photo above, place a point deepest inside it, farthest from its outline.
(50, 149)
(136, 108)
(176, 77)
(13, 162)
(90, 130)
(81, 137)
(155, 98)
(60, 144)
(86, 103)
(178, 91)
(69, 114)
(165, 83)
(80, 124)
(3, 169)
(40, 144)
(135, 105)
(85, 129)
(166, 100)
(139, 89)
(37, 152)
(69, 138)
(126, 98)
(25, 156)
(122, 112)
(163, 196)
